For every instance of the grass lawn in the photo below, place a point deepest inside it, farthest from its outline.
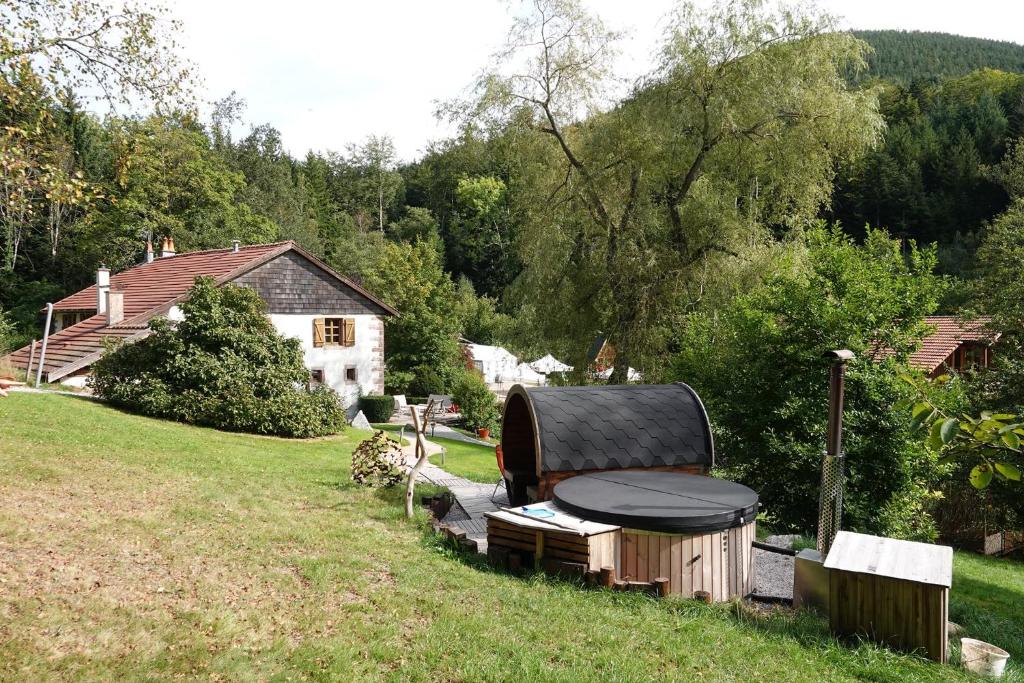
(132, 548)
(469, 460)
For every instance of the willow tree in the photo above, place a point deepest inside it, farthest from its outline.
(633, 201)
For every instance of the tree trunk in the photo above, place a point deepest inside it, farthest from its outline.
(421, 460)
(620, 371)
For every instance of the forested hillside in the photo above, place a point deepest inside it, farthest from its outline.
(905, 56)
(935, 175)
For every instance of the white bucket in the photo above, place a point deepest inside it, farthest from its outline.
(982, 658)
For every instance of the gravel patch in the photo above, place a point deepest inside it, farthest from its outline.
(774, 572)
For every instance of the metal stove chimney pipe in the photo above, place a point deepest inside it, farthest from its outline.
(833, 477)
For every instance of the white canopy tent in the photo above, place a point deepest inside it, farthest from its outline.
(494, 363)
(525, 373)
(549, 364)
(631, 376)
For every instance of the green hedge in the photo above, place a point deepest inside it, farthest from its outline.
(377, 408)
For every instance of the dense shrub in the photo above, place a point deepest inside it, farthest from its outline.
(397, 381)
(377, 462)
(427, 381)
(758, 365)
(223, 366)
(6, 333)
(477, 403)
(377, 408)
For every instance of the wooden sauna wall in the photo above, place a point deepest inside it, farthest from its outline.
(720, 563)
(599, 550)
(548, 480)
(905, 615)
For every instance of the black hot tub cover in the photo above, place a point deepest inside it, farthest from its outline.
(670, 502)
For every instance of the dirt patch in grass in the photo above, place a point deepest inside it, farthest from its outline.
(72, 551)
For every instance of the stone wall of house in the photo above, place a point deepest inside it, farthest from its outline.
(364, 359)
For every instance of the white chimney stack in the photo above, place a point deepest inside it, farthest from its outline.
(235, 244)
(149, 251)
(115, 306)
(102, 287)
(168, 248)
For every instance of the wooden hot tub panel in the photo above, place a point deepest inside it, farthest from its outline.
(719, 563)
(589, 552)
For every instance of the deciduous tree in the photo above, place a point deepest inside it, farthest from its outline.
(739, 128)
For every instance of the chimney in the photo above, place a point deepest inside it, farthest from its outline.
(168, 248)
(149, 250)
(115, 306)
(833, 470)
(234, 245)
(102, 287)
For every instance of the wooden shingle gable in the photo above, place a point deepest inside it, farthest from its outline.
(294, 282)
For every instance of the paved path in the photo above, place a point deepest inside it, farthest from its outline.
(446, 432)
(472, 499)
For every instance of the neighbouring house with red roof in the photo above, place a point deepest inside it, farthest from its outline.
(340, 324)
(956, 344)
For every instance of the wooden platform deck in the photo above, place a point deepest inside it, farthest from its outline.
(472, 499)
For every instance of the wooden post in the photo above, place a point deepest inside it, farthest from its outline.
(607, 578)
(660, 587)
(538, 554)
(31, 360)
(421, 459)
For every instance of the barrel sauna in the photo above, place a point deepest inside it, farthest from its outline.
(550, 434)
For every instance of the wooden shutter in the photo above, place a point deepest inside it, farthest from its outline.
(318, 332)
(348, 331)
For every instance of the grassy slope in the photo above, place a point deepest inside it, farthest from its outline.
(131, 547)
(474, 462)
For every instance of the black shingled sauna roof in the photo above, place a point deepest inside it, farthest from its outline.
(605, 427)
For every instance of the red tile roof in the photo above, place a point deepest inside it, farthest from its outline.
(157, 284)
(73, 347)
(151, 289)
(950, 333)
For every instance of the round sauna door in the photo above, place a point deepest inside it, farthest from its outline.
(657, 501)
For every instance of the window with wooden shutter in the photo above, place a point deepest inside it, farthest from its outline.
(333, 335)
(334, 332)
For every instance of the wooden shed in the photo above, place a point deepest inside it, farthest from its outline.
(552, 433)
(894, 592)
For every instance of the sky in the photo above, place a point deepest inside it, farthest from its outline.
(329, 73)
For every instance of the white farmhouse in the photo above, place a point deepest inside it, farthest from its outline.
(339, 324)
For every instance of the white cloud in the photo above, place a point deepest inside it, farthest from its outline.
(327, 74)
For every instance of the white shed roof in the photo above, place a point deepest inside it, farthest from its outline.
(892, 558)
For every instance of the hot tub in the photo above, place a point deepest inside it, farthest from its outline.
(695, 531)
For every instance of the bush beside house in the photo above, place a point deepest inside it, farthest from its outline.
(223, 366)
